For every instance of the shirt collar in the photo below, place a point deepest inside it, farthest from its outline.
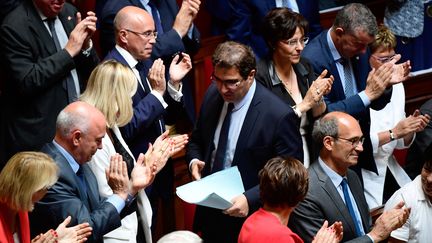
(334, 177)
(75, 166)
(247, 98)
(131, 61)
(335, 54)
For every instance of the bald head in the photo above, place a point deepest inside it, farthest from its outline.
(80, 128)
(135, 32)
(341, 138)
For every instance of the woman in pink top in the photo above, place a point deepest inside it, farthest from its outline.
(283, 184)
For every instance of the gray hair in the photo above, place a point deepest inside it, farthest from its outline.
(326, 126)
(232, 54)
(356, 17)
(180, 236)
(68, 121)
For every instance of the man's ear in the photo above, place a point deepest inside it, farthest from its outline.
(252, 74)
(122, 36)
(339, 31)
(328, 143)
(76, 137)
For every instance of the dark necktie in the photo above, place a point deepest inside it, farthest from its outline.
(219, 160)
(82, 182)
(68, 82)
(142, 68)
(350, 206)
(349, 82)
(156, 17)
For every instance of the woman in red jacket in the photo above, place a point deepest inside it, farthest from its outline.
(23, 181)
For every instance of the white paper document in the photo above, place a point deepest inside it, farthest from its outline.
(215, 190)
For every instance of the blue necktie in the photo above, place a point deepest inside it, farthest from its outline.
(80, 174)
(68, 82)
(219, 160)
(156, 17)
(349, 82)
(350, 206)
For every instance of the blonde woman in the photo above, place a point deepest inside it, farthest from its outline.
(110, 88)
(23, 181)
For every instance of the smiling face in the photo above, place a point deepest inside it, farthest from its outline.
(289, 52)
(50, 8)
(426, 178)
(342, 152)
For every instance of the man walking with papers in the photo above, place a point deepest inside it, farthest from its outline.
(240, 124)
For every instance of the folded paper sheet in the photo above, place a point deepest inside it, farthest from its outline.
(215, 190)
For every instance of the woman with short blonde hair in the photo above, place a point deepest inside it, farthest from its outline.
(24, 180)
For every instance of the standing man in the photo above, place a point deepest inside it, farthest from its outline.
(335, 192)
(80, 128)
(176, 33)
(241, 124)
(47, 50)
(156, 102)
(343, 50)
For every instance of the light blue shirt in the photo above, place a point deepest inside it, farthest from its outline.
(238, 115)
(336, 180)
(336, 57)
(114, 199)
(292, 4)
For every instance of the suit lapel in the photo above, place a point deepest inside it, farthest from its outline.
(330, 189)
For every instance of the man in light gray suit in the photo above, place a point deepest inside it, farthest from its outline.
(335, 192)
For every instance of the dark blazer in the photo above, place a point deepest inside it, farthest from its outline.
(270, 128)
(34, 90)
(167, 43)
(415, 157)
(323, 202)
(247, 17)
(305, 77)
(67, 198)
(318, 52)
(144, 127)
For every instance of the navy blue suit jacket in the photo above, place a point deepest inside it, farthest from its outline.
(247, 17)
(270, 128)
(167, 43)
(318, 52)
(66, 198)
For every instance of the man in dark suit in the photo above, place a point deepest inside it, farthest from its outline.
(176, 34)
(46, 48)
(79, 131)
(262, 126)
(335, 192)
(156, 101)
(247, 16)
(343, 51)
(423, 140)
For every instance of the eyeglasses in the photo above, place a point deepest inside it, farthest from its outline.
(293, 42)
(147, 34)
(230, 83)
(354, 141)
(384, 59)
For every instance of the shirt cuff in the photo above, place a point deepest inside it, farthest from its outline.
(364, 98)
(175, 94)
(190, 31)
(375, 142)
(86, 52)
(370, 237)
(160, 98)
(117, 202)
(190, 164)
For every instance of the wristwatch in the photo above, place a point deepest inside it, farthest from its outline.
(392, 136)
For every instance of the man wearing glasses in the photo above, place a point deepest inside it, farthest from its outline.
(156, 101)
(335, 192)
(241, 123)
(343, 50)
